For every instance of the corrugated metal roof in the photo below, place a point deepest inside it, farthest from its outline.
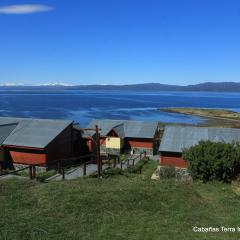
(5, 130)
(126, 128)
(119, 129)
(33, 132)
(177, 138)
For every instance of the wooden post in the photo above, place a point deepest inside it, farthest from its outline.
(59, 166)
(30, 172)
(121, 164)
(99, 164)
(63, 173)
(84, 169)
(133, 162)
(114, 162)
(33, 172)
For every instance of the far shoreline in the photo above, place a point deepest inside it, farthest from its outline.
(213, 117)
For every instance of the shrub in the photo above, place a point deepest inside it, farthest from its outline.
(167, 172)
(138, 167)
(111, 172)
(213, 161)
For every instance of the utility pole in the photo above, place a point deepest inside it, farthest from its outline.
(97, 143)
(99, 164)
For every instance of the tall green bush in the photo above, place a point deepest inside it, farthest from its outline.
(213, 161)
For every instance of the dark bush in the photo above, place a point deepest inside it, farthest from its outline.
(213, 161)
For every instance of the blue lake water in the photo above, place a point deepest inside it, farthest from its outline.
(82, 106)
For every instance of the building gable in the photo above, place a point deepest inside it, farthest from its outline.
(35, 133)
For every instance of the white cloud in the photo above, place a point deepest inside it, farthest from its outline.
(24, 9)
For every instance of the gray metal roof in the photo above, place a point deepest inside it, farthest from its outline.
(33, 132)
(119, 129)
(5, 130)
(177, 138)
(126, 128)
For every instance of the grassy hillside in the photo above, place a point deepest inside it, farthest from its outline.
(121, 207)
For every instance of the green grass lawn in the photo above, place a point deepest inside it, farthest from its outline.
(128, 206)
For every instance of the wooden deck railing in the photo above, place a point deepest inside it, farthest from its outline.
(62, 164)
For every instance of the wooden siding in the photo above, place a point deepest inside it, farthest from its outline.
(114, 142)
(2, 157)
(140, 143)
(103, 141)
(172, 159)
(61, 147)
(25, 157)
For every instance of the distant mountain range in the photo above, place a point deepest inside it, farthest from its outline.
(208, 86)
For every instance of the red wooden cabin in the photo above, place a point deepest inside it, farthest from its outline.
(35, 141)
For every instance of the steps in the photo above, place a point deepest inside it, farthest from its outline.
(76, 173)
(91, 169)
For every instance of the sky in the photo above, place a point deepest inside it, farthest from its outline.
(119, 41)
